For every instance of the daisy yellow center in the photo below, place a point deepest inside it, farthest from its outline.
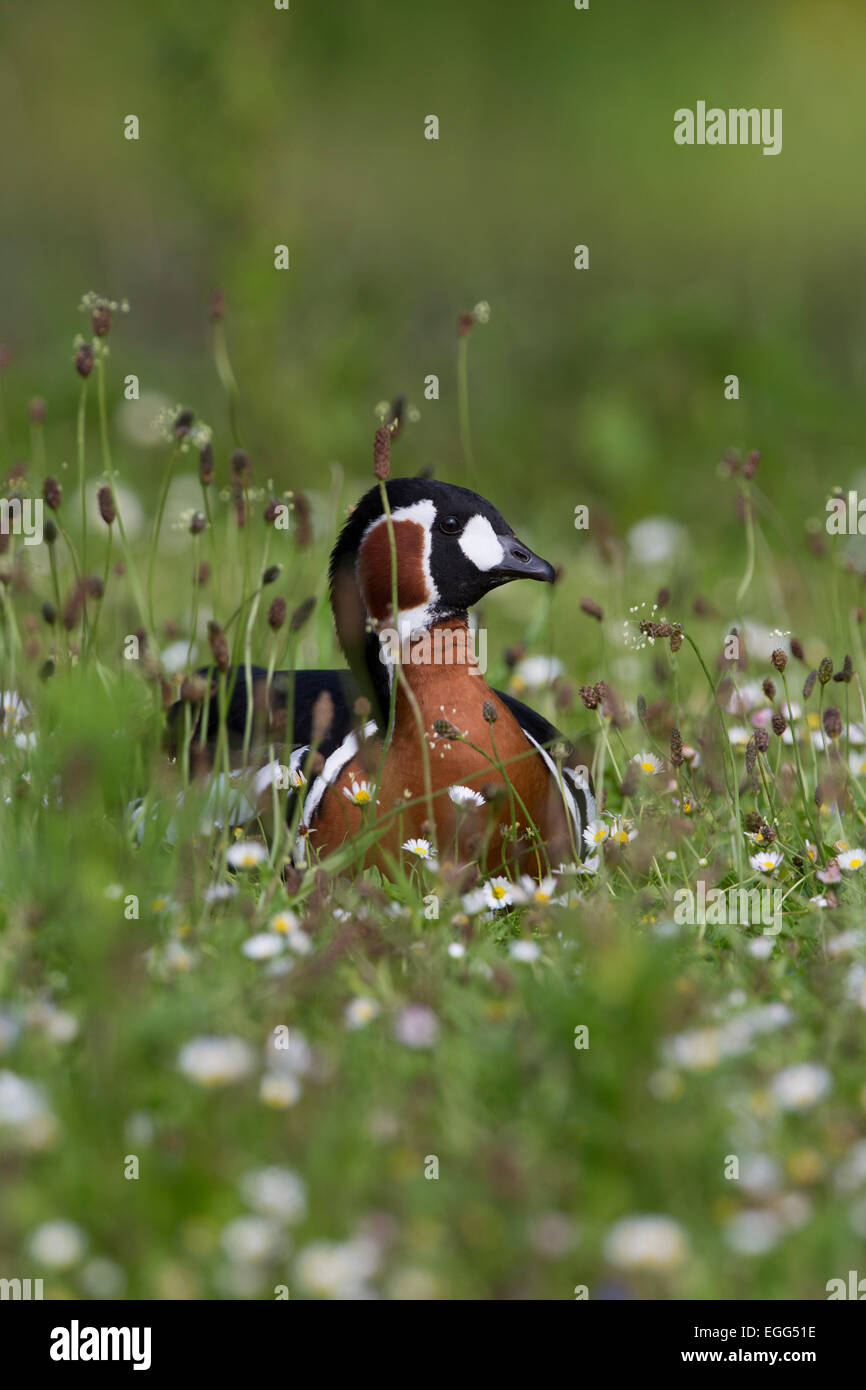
(855, 862)
(498, 891)
(541, 896)
(599, 836)
(362, 797)
(648, 766)
(422, 850)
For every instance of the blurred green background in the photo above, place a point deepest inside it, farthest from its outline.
(306, 127)
(604, 387)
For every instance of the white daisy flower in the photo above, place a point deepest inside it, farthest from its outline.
(799, 1086)
(536, 673)
(361, 793)
(279, 1090)
(648, 763)
(289, 1052)
(58, 1244)
(857, 764)
(216, 1061)
(263, 946)
(275, 1192)
(646, 1242)
(338, 1271)
(251, 1240)
(846, 941)
(541, 892)
(25, 1118)
(622, 830)
(300, 942)
(465, 796)
(753, 1232)
(526, 951)
(596, 833)
(456, 950)
(246, 854)
(361, 1011)
(766, 861)
(474, 902)
(738, 735)
(654, 539)
(590, 865)
(422, 848)
(219, 892)
(698, 1049)
(852, 859)
(284, 922)
(500, 892)
(761, 948)
(13, 710)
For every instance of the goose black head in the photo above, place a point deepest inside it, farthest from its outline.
(452, 548)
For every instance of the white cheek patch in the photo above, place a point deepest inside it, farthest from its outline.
(480, 544)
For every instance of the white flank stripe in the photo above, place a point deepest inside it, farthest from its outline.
(333, 767)
(567, 795)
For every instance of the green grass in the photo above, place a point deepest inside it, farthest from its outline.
(542, 1146)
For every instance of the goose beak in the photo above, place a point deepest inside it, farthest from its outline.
(519, 562)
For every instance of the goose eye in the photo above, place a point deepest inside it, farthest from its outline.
(450, 525)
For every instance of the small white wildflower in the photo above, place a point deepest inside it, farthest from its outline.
(216, 1061)
(251, 1240)
(339, 1271)
(360, 1011)
(275, 1192)
(246, 854)
(422, 848)
(799, 1086)
(58, 1244)
(279, 1090)
(465, 796)
(753, 1232)
(264, 945)
(540, 892)
(646, 1242)
(596, 833)
(361, 793)
(525, 951)
(766, 861)
(648, 763)
(501, 892)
